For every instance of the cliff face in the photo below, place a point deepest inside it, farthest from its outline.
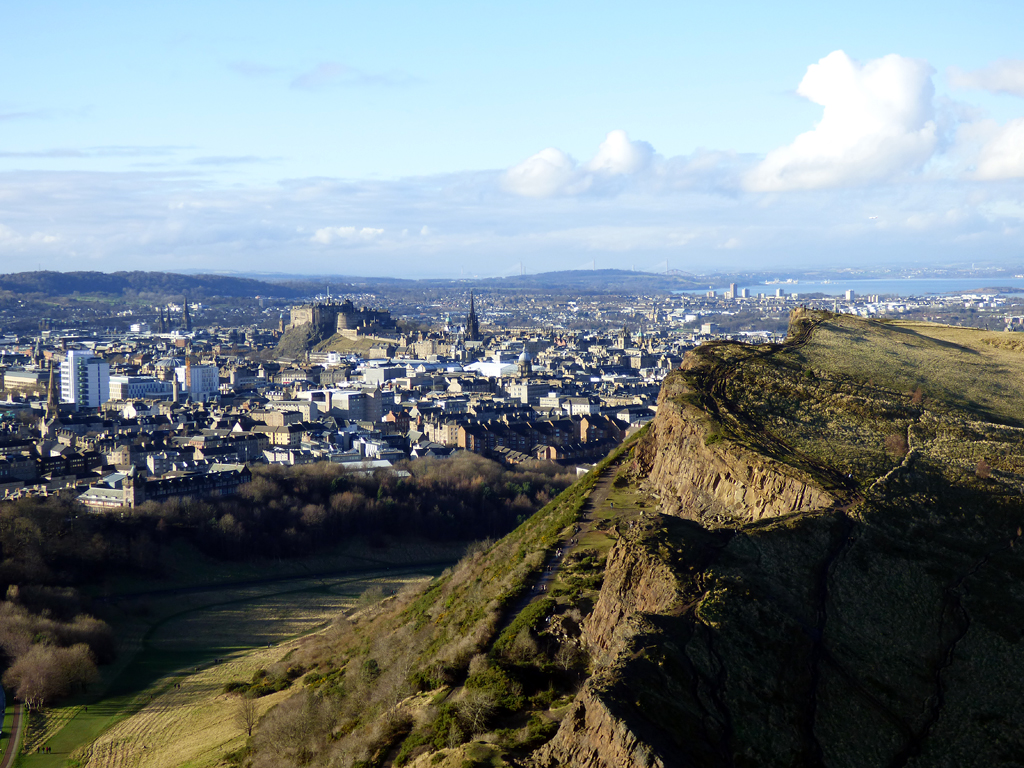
(759, 619)
(716, 482)
(597, 732)
(635, 582)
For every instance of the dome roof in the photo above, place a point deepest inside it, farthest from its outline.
(525, 357)
(168, 362)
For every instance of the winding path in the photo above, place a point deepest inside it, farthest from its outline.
(549, 571)
(17, 721)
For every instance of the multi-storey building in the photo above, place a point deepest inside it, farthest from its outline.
(84, 379)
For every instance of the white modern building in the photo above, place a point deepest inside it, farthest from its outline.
(203, 381)
(84, 379)
(138, 387)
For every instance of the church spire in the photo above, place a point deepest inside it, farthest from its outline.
(472, 324)
(51, 395)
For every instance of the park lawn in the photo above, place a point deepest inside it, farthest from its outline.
(141, 709)
(5, 735)
(186, 566)
(192, 725)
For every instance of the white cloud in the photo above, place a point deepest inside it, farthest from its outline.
(8, 237)
(1004, 76)
(328, 235)
(549, 172)
(333, 73)
(1002, 156)
(252, 69)
(878, 122)
(552, 172)
(619, 156)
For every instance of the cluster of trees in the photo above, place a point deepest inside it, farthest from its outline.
(293, 511)
(55, 540)
(49, 648)
(284, 512)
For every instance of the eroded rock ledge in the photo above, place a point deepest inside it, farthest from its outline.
(716, 483)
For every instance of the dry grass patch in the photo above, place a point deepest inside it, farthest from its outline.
(247, 623)
(192, 725)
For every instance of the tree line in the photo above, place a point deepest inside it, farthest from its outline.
(49, 648)
(283, 512)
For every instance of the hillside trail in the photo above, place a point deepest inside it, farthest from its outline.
(17, 724)
(549, 571)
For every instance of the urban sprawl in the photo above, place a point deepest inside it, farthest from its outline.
(173, 404)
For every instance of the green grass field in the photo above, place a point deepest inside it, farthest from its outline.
(5, 736)
(143, 719)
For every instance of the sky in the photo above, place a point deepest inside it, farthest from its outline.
(473, 139)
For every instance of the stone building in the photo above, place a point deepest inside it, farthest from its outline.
(340, 317)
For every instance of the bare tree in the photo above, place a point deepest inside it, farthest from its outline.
(247, 712)
(567, 656)
(524, 648)
(44, 673)
(476, 709)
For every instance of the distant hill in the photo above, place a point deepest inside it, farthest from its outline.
(48, 283)
(155, 283)
(598, 281)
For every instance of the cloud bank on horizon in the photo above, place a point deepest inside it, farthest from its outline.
(891, 171)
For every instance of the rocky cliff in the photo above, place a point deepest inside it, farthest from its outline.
(697, 474)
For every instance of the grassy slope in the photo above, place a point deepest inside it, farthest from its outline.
(429, 639)
(839, 404)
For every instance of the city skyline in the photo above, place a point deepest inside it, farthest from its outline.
(436, 142)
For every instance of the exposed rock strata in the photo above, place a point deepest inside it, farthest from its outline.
(717, 482)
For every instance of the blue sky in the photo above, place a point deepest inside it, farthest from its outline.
(464, 138)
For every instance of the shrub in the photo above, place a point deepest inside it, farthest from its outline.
(896, 445)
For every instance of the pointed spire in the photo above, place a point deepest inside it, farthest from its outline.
(51, 395)
(472, 324)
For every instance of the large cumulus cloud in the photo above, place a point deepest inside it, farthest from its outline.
(878, 122)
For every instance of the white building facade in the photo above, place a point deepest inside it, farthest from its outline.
(137, 387)
(84, 379)
(204, 383)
